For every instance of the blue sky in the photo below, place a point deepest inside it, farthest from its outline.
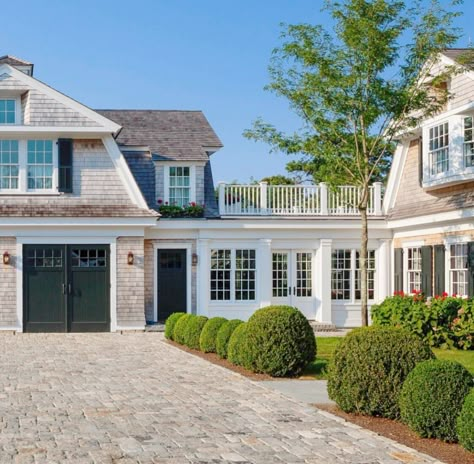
(170, 54)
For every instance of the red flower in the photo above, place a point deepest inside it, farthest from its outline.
(193, 203)
(159, 201)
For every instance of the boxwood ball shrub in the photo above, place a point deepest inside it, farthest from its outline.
(180, 328)
(207, 341)
(237, 347)
(465, 423)
(223, 336)
(193, 330)
(170, 323)
(280, 341)
(432, 398)
(369, 367)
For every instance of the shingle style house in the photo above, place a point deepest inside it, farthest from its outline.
(84, 247)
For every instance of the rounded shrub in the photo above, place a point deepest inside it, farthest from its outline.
(432, 398)
(193, 330)
(180, 328)
(170, 323)
(281, 341)
(207, 341)
(369, 367)
(223, 336)
(237, 348)
(465, 423)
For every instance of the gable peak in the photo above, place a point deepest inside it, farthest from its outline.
(22, 65)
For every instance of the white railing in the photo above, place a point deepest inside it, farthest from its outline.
(295, 200)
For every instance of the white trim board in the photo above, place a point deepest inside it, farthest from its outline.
(178, 246)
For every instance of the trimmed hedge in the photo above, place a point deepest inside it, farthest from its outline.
(280, 342)
(465, 423)
(237, 348)
(170, 323)
(180, 328)
(369, 368)
(223, 336)
(193, 330)
(432, 398)
(207, 340)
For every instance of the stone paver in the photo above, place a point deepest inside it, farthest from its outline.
(307, 391)
(110, 398)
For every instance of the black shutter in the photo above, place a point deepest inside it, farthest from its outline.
(398, 270)
(65, 165)
(470, 266)
(439, 270)
(427, 270)
(420, 161)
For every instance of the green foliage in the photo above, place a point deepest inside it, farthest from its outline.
(193, 330)
(465, 423)
(280, 341)
(170, 323)
(432, 398)
(223, 336)
(207, 341)
(179, 332)
(237, 349)
(369, 367)
(278, 179)
(443, 322)
(176, 211)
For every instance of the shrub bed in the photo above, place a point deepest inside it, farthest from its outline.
(207, 341)
(170, 323)
(432, 398)
(223, 336)
(180, 328)
(443, 321)
(465, 423)
(280, 342)
(237, 347)
(369, 368)
(193, 330)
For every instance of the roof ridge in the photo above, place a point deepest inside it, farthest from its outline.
(148, 110)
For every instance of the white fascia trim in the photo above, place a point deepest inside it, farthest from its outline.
(458, 215)
(180, 163)
(395, 175)
(76, 222)
(125, 174)
(111, 126)
(53, 130)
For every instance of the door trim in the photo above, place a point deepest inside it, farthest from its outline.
(167, 246)
(61, 240)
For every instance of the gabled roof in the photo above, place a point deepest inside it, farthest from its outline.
(464, 56)
(170, 134)
(14, 61)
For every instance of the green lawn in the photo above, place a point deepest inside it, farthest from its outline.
(327, 345)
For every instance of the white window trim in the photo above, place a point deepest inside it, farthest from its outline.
(18, 115)
(192, 181)
(233, 301)
(23, 169)
(447, 261)
(405, 264)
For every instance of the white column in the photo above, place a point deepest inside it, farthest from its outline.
(378, 198)
(382, 270)
(263, 198)
(264, 272)
(323, 195)
(324, 272)
(221, 198)
(202, 277)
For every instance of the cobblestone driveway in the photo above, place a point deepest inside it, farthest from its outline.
(109, 398)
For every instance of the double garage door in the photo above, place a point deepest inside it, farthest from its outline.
(66, 288)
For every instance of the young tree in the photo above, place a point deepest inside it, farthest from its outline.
(356, 87)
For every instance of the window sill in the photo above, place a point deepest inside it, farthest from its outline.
(448, 179)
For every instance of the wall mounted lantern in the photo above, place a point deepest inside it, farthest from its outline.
(6, 258)
(130, 258)
(194, 259)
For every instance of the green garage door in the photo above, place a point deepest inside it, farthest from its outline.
(66, 288)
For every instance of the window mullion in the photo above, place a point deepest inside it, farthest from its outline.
(232, 274)
(23, 165)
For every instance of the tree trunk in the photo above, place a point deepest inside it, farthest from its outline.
(363, 260)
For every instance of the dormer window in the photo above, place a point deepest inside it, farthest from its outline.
(7, 111)
(439, 149)
(468, 148)
(180, 184)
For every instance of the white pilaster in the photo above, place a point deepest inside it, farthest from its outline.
(264, 267)
(382, 269)
(324, 271)
(202, 281)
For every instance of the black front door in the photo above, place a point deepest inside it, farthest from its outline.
(66, 288)
(171, 282)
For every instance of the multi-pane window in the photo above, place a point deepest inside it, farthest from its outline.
(9, 168)
(414, 269)
(304, 274)
(458, 269)
(7, 111)
(88, 257)
(179, 185)
(370, 276)
(280, 275)
(468, 149)
(439, 148)
(245, 275)
(40, 164)
(233, 275)
(341, 275)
